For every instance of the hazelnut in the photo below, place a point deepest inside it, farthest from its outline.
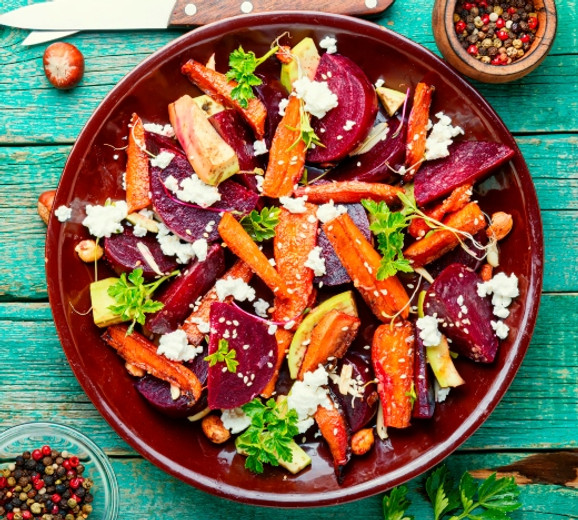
(45, 203)
(89, 251)
(362, 441)
(214, 429)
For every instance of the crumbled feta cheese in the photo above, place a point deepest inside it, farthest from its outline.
(103, 221)
(329, 43)
(203, 326)
(155, 128)
(504, 289)
(440, 393)
(294, 205)
(63, 213)
(282, 106)
(500, 328)
(260, 147)
(139, 231)
(193, 190)
(124, 181)
(428, 331)
(305, 396)
(235, 287)
(200, 248)
(440, 137)
(379, 83)
(318, 98)
(162, 160)
(171, 245)
(259, 179)
(235, 420)
(175, 346)
(349, 124)
(315, 261)
(329, 211)
(261, 307)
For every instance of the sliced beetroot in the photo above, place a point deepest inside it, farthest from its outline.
(453, 292)
(467, 162)
(335, 273)
(124, 252)
(271, 92)
(182, 292)
(157, 142)
(424, 405)
(188, 222)
(357, 103)
(255, 350)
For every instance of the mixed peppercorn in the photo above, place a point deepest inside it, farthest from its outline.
(496, 32)
(45, 484)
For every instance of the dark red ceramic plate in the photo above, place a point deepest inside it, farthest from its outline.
(92, 174)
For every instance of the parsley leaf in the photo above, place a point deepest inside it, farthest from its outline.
(395, 504)
(133, 297)
(261, 226)
(270, 435)
(436, 485)
(306, 132)
(224, 354)
(242, 66)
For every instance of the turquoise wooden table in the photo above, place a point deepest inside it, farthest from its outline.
(533, 432)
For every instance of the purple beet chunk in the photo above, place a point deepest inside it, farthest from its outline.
(361, 410)
(256, 362)
(182, 292)
(470, 332)
(122, 252)
(157, 142)
(467, 162)
(190, 222)
(357, 102)
(424, 405)
(271, 92)
(335, 273)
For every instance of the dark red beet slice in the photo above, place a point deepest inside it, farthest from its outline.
(335, 273)
(183, 291)
(190, 223)
(157, 142)
(467, 162)
(256, 362)
(357, 102)
(271, 92)
(471, 333)
(424, 405)
(122, 252)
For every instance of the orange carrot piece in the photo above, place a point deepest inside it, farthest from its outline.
(456, 201)
(295, 237)
(283, 338)
(191, 325)
(141, 353)
(137, 168)
(331, 337)
(242, 245)
(392, 355)
(469, 219)
(217, 86)
(417, 128)
(361, 261)
(287, 154)
(347, 192)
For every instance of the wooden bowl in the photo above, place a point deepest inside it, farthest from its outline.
(451, 49)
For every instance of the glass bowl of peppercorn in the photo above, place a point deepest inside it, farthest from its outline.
(52, 472)
(494, 41)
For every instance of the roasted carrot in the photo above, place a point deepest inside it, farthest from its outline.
(202, 314)
(349, 192)
(217, 86)
(469, 219)
(137, 168)
(287, 154)
(392, 355)
(141, 353)
(283, 338)
(417, 129)
(361, 261)
(456, 201)
(242, 245)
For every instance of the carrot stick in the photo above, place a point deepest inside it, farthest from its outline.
(140, 352)
(287, 154)
(417, 128)
(333, 427)
(242, 245)
(283, 338)
(361, 261)
(219, 88)
(137, 168)
(469, 219)
(349, 192)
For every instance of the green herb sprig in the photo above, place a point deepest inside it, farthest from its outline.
(224, 354)
(268, 439)
(395, 503)
(261, 226)
(306, 132)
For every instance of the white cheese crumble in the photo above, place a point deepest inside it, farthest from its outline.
(175, 346)
(193, 190)
(315, 261)
(428, 331)
(155, 128)
(317, 96)
(103, 221)
(440, 137)
(379, 83)
(139, 231)
(203, 326)
(171, 245)
(261, 307)
(235, 287)
(500, 328)
(349, 124)
(329, 211)
(162, 160)
(294, 205)
(329, 43)
(63, 213)
(200, 248)
(259, 179)
(440, 393)
(305, 396)
(504, 289)
(260, 147)
(235, 420)
(282, 106)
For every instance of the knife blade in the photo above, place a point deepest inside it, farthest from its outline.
(78, 15)
(38, 37)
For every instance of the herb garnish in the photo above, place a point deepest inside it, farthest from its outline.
(261, 226)
(242, 66)
(306, 132)
(395, 504)
(268, 439)
(133, 297)
(224, 354)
